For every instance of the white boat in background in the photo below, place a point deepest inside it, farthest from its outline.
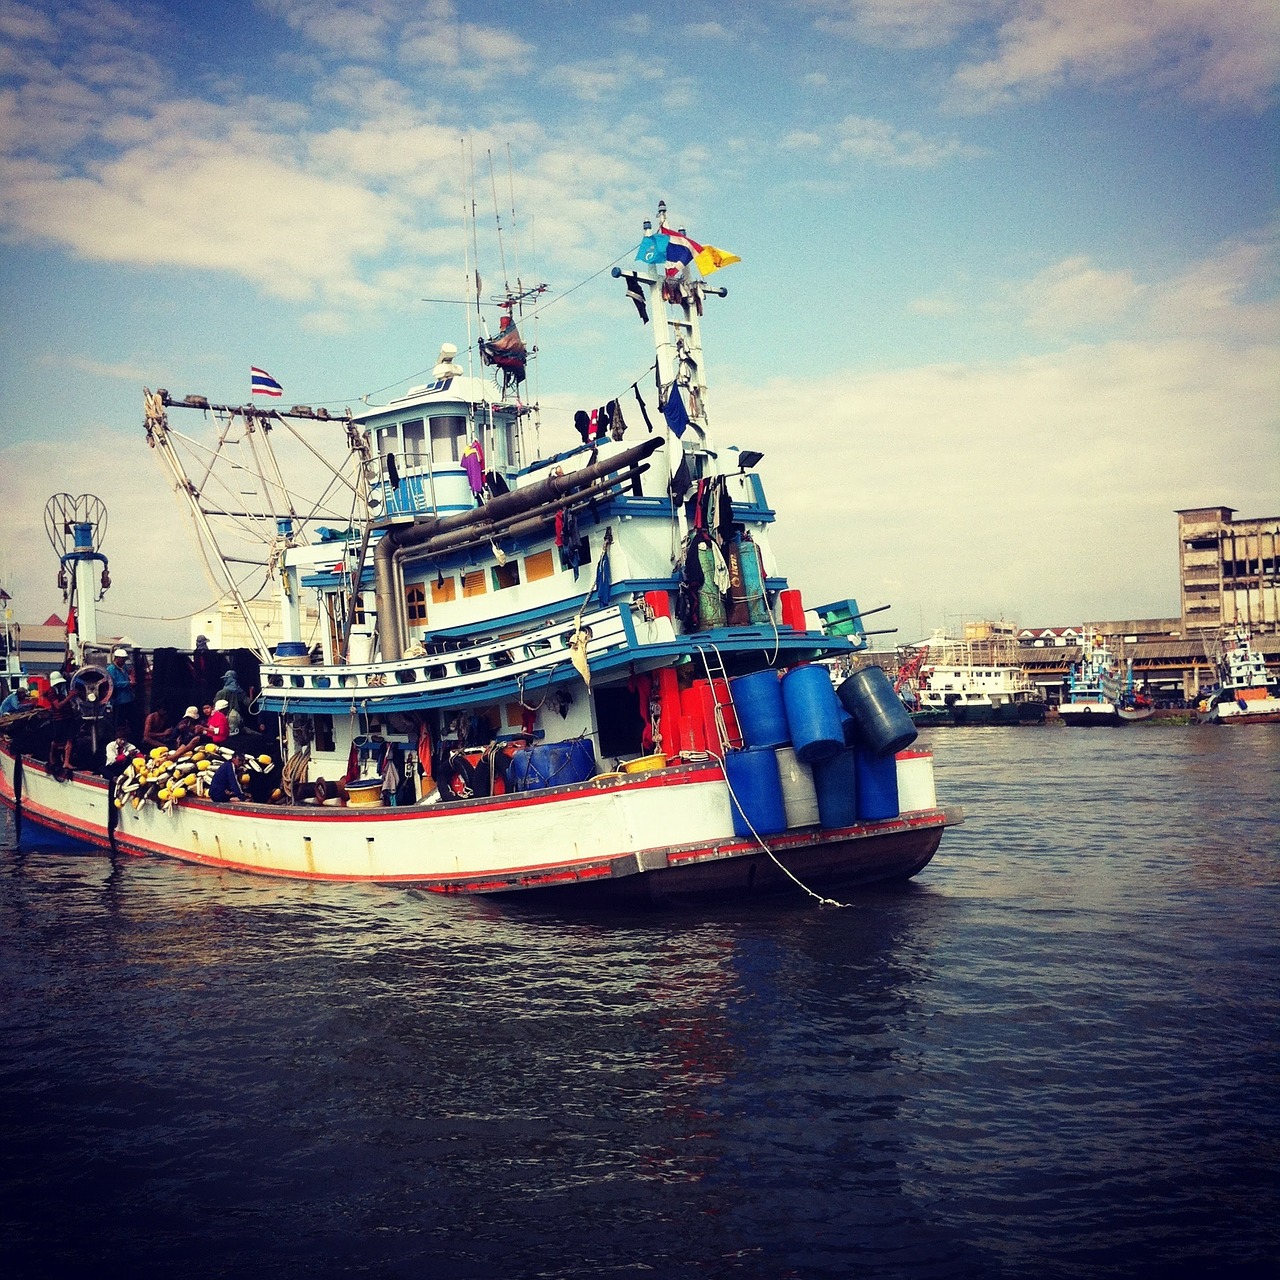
(1246, 694)
(971, 682)
(558, 673)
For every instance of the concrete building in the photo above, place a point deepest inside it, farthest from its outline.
(224, 626)
(1228, 570)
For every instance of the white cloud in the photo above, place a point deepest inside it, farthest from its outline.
(909, 23)
(1225, 55)
(879, 142)
(1004, 487)
(1075, 294)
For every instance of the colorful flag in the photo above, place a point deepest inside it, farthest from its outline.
(263, 384)
(652, 249)
(709, 259)
(680, 247)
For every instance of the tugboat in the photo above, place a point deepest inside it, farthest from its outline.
(1245, 694)
(567, 674)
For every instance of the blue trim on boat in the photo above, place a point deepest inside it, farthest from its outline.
(625, 657)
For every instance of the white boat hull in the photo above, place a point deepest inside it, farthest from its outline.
(1089, 714)
(665, 834)
(1246, 711)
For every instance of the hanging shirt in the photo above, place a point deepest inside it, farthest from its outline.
(473, 464)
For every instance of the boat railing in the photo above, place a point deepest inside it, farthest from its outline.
(515, 656)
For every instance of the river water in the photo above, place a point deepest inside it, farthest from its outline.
(1055, 1053)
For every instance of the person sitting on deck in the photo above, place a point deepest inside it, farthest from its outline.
(156, 731)
(119, 752)
(225, 784)
(16, 701)
(218, 729)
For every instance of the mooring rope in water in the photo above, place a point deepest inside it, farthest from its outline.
(773, 857)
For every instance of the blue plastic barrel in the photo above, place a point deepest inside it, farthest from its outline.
(813, 713)
(836, 781)
(756, 791)
(291, 649)
(884, 727)
(877, 782)
(551, 764)
(850, 727)
(762, 718)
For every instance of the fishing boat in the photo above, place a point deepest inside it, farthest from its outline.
(1093, 685)
(969, 682)
(10, 657)
(1246, 693)
(582, 673)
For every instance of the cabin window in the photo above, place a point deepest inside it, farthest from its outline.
(506, 575)
(448, 435)
(415, 603)
(508, 433)
(473, 584)
(413, 437)
(538, 566)
(443, 590)
(322, 726)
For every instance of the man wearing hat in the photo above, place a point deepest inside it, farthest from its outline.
(219, 727)
(122, 689)
(65, 721)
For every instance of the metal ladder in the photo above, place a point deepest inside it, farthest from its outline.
(718, 682)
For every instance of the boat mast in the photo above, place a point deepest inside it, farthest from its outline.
(157, 428)
(677, 332)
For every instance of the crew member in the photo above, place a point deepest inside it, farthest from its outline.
(119, 752)
(156, 731)
(16, 701)
(218, 728)
(225, 784)
(122, 689)
(65, 721)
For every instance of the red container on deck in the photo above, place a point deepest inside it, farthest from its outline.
(669, 700)
(792, 610)
(693, 727)
(659, 602)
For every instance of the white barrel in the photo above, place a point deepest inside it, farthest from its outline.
(360, 646)
(799, 796)
(915, 781)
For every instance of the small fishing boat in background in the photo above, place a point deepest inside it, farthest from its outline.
(1246, 694)
(1093, 692)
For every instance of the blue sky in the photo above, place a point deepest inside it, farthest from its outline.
(1007, 295)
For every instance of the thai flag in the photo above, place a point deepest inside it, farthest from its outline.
(264, 384)
(680, 248)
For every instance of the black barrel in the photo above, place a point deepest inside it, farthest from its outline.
(884, 727)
